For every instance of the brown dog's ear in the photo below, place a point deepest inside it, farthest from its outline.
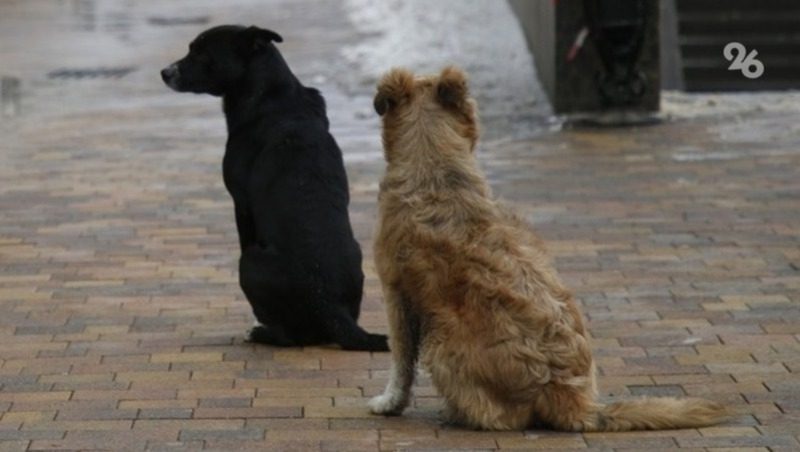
(382, 104)
(452, 90)
(394, 86)
(261, 37)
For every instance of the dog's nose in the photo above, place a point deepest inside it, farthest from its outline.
(169, 72)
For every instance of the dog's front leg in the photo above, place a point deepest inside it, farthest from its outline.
(404, 339)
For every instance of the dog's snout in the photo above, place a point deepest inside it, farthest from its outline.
(171, 76)
(169, 73)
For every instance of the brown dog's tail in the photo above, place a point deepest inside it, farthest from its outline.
(656, 413)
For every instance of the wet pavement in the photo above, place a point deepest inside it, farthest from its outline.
(121, 320)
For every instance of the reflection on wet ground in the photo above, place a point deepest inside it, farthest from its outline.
(9, 95)
(109, 18)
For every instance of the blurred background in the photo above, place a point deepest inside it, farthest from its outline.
(527, 59)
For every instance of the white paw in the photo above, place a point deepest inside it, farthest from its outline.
(248, 334)
(388, 404)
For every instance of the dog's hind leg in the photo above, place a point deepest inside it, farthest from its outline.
(270, 335)
(343, 329)
(405, 338)
(262, 280)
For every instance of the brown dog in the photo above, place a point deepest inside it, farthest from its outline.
(470, 290)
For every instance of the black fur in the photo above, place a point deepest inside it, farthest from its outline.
(300, 266)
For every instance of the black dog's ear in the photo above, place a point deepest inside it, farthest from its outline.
(261, 37)
(452, 89)
(393, 87)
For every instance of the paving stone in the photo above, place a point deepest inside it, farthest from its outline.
(232, 402)
(28, 435)
(293, 445)
(541, 441)
(14, 446)
(174, 446)
(165, 413)
(740, 441)
(246, 434)
(66, 414)
(623, 442)
(657, 391)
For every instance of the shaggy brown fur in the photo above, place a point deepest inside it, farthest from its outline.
(469, 289)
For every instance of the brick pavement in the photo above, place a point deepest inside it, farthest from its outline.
(122, 321)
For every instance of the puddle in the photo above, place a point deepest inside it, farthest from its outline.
(425, 36)
(114, 18)
(706, 155)
(91, 73)
(177, 21)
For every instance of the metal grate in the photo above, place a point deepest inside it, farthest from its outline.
(91, 73)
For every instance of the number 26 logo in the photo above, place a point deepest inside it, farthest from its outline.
(743, 61)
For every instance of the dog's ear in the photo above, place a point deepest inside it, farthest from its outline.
(451, 91)
(394, 86)
(382, 103)
(261, 37)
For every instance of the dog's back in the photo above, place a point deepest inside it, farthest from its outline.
(297, 193)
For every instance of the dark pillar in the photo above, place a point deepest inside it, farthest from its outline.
(598, 60)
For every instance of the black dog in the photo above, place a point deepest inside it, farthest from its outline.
(300, 266)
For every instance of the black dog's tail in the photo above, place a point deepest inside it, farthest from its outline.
(344, 330)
